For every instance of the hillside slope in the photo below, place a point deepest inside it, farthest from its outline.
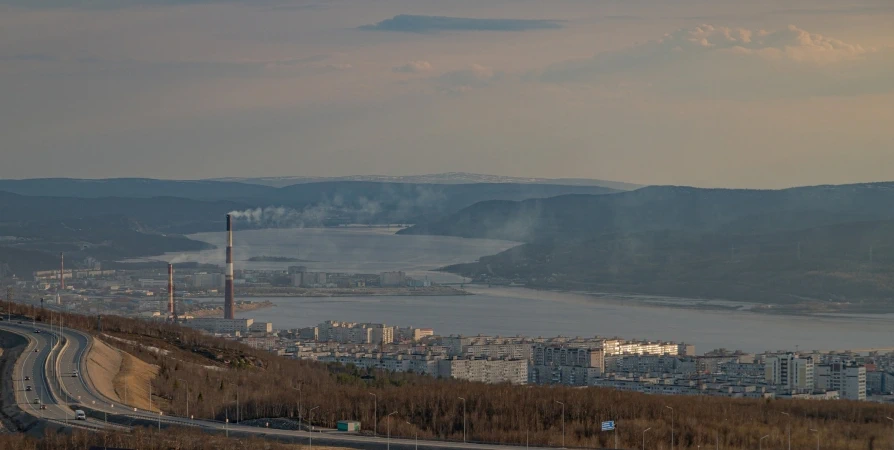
(668, 208)
(844, 267)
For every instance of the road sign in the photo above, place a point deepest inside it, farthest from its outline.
(608, 426)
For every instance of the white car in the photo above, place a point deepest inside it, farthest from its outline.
(79, 415)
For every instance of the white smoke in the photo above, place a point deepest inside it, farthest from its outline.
(281, 217)
(311, 216)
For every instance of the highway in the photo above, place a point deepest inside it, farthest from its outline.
(80, 391)
(32, 365)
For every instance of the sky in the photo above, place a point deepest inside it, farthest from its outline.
(714, 93)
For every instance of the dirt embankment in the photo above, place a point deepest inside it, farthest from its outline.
(120, 376)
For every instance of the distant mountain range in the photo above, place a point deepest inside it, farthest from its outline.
(145, 217)
(438, 178)
(170, 205)
(668, 208)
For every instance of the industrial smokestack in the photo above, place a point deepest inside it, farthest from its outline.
(171, 312)
(229, 300)
(62, 270)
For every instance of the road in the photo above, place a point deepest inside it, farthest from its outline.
(32, 364)
(80, 391)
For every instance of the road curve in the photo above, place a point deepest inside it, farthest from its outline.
(80, 391)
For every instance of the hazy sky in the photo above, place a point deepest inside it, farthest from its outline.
(758, 93)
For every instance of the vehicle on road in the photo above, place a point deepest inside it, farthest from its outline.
(20, 322)
(28, 388)
(74, 374)
(27, 378)
(37, 331)
(36, 401)
(35, 350)
(80, 415)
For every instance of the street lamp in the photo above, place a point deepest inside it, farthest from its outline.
(672, 425)
(417, 434)
(237, 402)
(310, 421)
(817, 438)
(788, 429)
(644, 437)
(760, 443)
(388, 444)
(464, 418)
(187, 395)
(375, 414)
(563, 422)
(298, 403)
(892, 423)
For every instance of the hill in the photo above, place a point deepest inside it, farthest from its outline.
(668, 208)
(701, 243)
(162, 214)
(193, 208)
(843, 267)
(213, 368)
(437, 178)
(133, 188)
(32, 246)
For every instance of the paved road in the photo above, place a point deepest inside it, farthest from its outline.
(33, 365)
(79, 390)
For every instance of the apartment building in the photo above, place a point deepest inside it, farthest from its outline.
(355, 333)
(513, 371)
(848, 379)
(790, 372)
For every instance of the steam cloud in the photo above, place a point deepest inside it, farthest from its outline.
(311, 216)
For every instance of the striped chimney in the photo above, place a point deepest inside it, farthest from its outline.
(229, 300)
(171, 290)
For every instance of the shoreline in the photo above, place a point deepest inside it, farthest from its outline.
(333, 293)
(683, 303)
(239, 308)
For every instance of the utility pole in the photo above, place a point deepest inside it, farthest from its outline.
(375, 414)
(464, 418)
(563, 422)
(9, 300)
(672, 426)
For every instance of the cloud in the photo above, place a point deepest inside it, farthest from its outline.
(413, 67)
(730, 61)
(117, 4)
(431, 24)
(472, 77)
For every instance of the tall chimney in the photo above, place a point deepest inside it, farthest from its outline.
(171, 292)
(229, 301)
(62, 270)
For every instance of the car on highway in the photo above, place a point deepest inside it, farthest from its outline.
(27, 378)
(74, 374)
(43, 406)
(80, 415)
(36, 401)
(37, 331)
(27, 388)
(35, 350)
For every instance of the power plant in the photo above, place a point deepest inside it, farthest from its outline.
(229, 300)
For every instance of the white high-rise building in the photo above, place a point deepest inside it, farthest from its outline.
(791, 372)
(848, 380)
